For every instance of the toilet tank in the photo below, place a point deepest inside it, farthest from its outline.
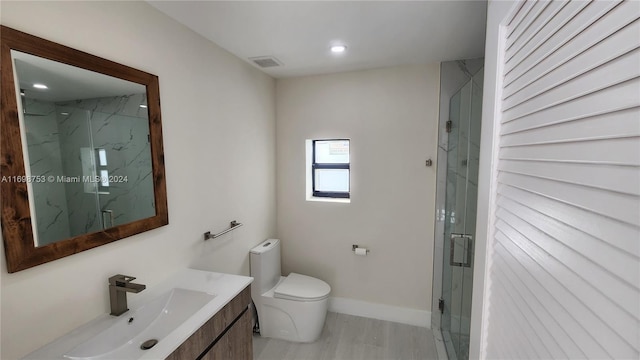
(265, 265)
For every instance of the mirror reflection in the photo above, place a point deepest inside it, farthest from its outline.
(87, 154)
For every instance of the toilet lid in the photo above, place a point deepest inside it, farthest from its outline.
(302, 288)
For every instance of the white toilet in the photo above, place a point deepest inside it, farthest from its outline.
(290, 307)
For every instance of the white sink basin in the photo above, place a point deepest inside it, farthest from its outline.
(154, 320)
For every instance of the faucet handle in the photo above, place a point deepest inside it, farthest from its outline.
(120, 280)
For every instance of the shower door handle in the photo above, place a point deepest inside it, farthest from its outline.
(467, 244)
(110, 217)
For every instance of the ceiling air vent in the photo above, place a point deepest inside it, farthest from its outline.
(265, 61)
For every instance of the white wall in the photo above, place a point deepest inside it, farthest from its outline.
(391, 117)
(218, 118)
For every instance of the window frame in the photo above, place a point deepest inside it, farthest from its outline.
(318, 166)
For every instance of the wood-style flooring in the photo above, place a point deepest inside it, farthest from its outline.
(347, 337)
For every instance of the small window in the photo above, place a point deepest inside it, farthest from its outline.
(330, 168)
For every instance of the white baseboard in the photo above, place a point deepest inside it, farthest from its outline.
(397, 314)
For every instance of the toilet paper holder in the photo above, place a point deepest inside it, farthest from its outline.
(355, 246)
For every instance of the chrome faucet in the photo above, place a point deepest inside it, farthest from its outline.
(119, 286)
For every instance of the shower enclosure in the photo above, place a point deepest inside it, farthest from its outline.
(92, 162)
(458, 158)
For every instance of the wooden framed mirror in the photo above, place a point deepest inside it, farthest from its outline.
(81, 162)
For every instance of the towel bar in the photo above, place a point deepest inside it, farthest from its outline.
(232, 226)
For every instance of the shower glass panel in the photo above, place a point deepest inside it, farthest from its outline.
(463, 150)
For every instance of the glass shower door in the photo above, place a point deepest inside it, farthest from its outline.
(463, 151)
(76, 144)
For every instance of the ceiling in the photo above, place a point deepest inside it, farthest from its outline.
(66, 82)
(299, 33)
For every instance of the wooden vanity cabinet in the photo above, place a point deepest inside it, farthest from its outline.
(227, 335)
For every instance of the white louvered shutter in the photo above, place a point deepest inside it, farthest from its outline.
(565, 268)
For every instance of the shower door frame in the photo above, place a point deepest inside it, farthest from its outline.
(449, 70)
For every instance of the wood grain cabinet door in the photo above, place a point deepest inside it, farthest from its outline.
(236, 344)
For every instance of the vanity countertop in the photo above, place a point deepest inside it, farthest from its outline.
(224, 286)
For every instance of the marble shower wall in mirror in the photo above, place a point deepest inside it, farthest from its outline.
(43, 148)
(119, 132)
(71, 140)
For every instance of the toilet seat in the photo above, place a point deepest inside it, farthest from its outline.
(298, 287)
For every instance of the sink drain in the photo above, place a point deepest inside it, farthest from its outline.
(148, 344)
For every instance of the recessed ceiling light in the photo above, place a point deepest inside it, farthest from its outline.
(40, 86)
(143, 106)
(337, 49)
(64, 113)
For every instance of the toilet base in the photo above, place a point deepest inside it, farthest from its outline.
(295, 321)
